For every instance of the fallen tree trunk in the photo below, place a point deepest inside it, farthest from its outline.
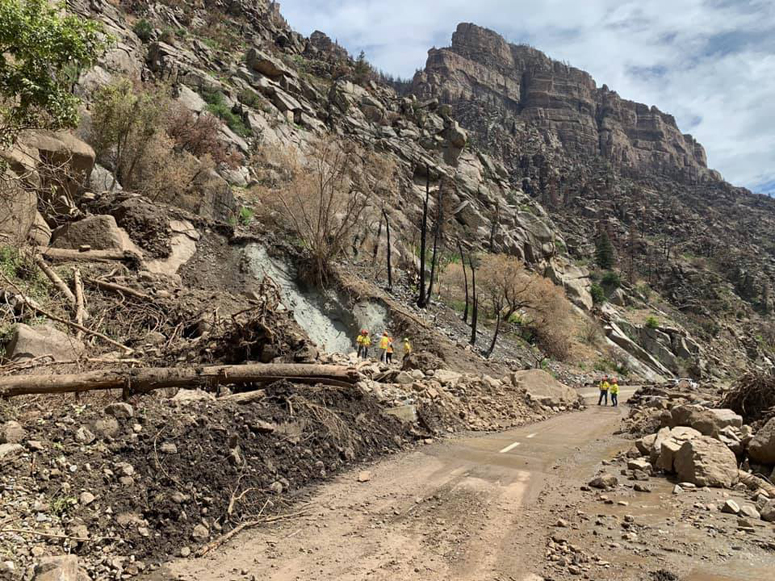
(120, 289)
(145, 380)
(90, 255)
(58, 282)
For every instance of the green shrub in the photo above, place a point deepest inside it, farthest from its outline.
(143, 29)
(216, 104)
(246, 215)
(598, 294)
(611, 280)
(167, 35)
(604, 251)
(652, 323)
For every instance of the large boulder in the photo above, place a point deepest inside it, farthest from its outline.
(762, 447)
(267, 65)
(44, 341)
(64, 568)
(709, 422)
(542, 387)
(672, 444)
(705, 461)
(98, 232)
(18, 211)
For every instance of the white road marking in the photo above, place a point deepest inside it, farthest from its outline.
(533, 435)
(510, 447)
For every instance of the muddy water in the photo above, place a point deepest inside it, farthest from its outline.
(326, 316)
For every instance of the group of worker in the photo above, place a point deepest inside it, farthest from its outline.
(609, 385)
(385, 346)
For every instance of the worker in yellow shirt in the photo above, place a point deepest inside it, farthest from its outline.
(384, 342)
(604, 387)
(407, 347)
(614, 393)
(364, 342)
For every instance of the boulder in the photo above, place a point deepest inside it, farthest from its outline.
(605, 480)
(671, 446)
(730, 507)
(447, 378)
(10, 451)
(542, 387)
(64, 568)
(18, 211)
(101, 180)
(656, 444)
(11, 433)
(98, 232)
(768, 511)
(709, 422)
(189, 396)
(641, 464)
(645, 445)
(43, 341)
(705, 461)
(40, 232)
(267, 65)
(762, 447)
(120, 410)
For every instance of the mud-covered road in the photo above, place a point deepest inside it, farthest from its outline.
(472, 508)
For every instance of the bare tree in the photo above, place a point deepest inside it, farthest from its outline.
(507, 287)
(475, 299)
(465, 278)
(422, 299)
(324, 201)
(389, 255)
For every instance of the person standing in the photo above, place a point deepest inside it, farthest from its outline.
(383, 347)
(614, 393)
(604, 387)
(390, 350)
(359, 341)
(407, 347)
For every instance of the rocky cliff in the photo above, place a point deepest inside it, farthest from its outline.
(522, 85)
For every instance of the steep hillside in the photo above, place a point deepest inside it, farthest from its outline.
(601, 163)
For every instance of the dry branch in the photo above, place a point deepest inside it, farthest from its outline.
(54, 278)
(80, 305)
(145, 380)
(123, 290)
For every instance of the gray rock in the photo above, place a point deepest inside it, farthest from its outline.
(63, 568)
(42, 341)
(404, 378)
(84, 436)
(98, 232)
(200, 533)
(86, 498)
(10, 451)
(671, 444)
(605, 480)
(168, 448)
(11, 432)
(120, 410)
(768, 511)
(106, 427)
(189, 396)
(730, 507)
(750, 512)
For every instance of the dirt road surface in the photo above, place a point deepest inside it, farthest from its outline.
(473, 508)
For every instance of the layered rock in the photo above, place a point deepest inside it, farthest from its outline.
(522, 84)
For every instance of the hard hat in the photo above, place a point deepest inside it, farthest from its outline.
(406, 339)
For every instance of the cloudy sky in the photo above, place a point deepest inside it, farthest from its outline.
(711, 63)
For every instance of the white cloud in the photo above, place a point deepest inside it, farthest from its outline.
(711, 63)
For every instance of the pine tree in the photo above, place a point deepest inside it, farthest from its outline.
(604, 251)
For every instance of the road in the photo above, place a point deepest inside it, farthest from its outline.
(471, 508)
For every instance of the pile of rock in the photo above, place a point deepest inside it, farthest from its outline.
(705, 447)
(445, 400)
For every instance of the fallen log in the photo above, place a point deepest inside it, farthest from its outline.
(141, 380)
(91, 255)
(80, 302)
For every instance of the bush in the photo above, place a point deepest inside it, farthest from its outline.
(143, 30)
(198, 135)
(611, 281)
(246, 216)
(598, 294)
(604, 251)
(216, 104)
(652, 323)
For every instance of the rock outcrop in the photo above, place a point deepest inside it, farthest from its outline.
(564, 103)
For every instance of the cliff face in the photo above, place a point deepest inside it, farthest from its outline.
(564, 103)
